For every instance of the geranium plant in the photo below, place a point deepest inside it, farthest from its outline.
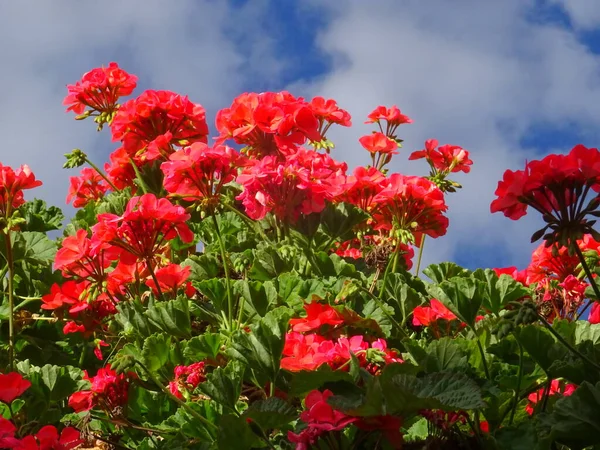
(248, 290)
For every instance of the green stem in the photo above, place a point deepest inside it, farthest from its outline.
(226, 270)
(138, 175)
(181, 403)
(97, 169)
(519, 379)
(589, 275)
(153, 275)
(11, 302)
(391, 263)
(485, 367)
(420, 255)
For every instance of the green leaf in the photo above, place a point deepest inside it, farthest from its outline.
(202, 347)
(33, 247)
(537, 342)
(204, 267)
(156, 351)
(271, 413)
(402, 296)
(444, 355)
(267, 265)
(443, 390)
(462, 296)
(259, 297)
(132, 318)
(224, 385)
(261, 348)
(444, 271)
(126, 358)
(235, 432)
(575, 420)
(172, 317)
(499, 291)
(184, 422)
(215, 291)
(40, 217)
(338, 220)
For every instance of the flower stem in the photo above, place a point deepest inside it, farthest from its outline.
(566, 344)
(420, 255)
(391, 263)
(153, 275)
(226, 270)
(11, 302)
(485, 367)
(589, 275)
(519, 378)
(97, 169)
(138, 175)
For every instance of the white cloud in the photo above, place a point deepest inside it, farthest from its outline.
(584, 14)
(186, 46)
(471, 73)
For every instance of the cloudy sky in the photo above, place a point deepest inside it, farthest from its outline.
(509, 80)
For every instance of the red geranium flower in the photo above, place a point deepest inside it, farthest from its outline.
(100, 90)
(87, 187)
(12, 385)
(199, 172)
(557, 388)
(379, 143)
(153, 124)
(445, 159)
(12, 184)
(170, 279)
(145, 226)
(556, 186)
(393, 116)
(411, 204)
(109, 390)
(49, 439)
(317, 315)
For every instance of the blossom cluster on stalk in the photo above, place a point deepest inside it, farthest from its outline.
(108, 391)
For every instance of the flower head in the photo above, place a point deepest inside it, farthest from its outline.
(100, 90)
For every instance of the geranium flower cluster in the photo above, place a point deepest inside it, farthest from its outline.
(557, 187)
(318, 339)
(187, 378)
(300, 184)
(100, 90)
(199, 173)
(108, 390)
(121, 251)
(277, 124)
(12, 184)
(555, 277)
(12, 386)
(89, 186)
(153, 125)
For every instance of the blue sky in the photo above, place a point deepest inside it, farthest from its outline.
(508, 80)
